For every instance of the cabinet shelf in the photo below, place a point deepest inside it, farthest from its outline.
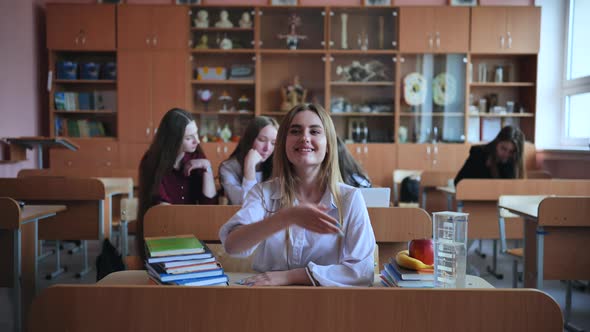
(361, 114)
(214, 29)
(220, 51)
(502, 115)
(267, 113)
(442, 114)
(223, 113)
(97, 112)
(361, 52)
(284, 51)
(223, 82)
(506, 84)
(336, 83)
(85, 81)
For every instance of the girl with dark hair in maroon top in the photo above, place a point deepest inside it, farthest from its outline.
(174, 170)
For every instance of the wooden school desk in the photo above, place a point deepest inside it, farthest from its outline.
(291, 308)
(556, 236)
(40, 142)
(429, 181)
(18, 250)
(89, 203)
(393, 227)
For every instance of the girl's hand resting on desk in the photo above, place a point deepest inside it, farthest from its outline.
(196, 164)
(311, 217)
(274, 278)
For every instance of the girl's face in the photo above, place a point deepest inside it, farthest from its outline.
(190, 141)
(264, 143)
(505, 151)
(306, 140)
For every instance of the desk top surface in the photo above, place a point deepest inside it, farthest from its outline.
(447, 190)
(35, 211)
(115, 186)
(51, 141)
(523, 205)
(140, 277)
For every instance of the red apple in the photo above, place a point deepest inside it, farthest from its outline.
(423, 250)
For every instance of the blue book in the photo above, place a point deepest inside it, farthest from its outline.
(393, 275)
(207, 281)
(86, 101)
(158, 272)
(60, 100)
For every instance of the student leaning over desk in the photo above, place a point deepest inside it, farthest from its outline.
(251, 161)
(304, 226)
(174, 170)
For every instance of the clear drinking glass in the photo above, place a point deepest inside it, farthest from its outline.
(449, 231)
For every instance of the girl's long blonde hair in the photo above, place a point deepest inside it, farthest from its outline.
(329, 170)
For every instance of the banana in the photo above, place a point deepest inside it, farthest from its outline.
(403, 259)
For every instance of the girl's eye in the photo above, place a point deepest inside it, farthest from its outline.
(294, 131)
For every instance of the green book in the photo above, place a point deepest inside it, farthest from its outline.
(173, 245)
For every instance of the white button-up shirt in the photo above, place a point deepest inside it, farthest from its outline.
(332, 260)
(232, 179)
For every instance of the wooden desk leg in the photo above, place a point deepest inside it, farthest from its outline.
(28, 266)
(530, 254)
(424, 196)
(16, 285)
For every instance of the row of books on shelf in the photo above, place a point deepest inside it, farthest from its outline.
(79, 128)
(394, 275)
(182, 260)
(95, 100)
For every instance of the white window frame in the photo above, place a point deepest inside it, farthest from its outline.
(570, 87)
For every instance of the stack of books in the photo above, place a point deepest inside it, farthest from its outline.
(182, 260)
(394, 275)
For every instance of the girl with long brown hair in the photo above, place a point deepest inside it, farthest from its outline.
(304, 226)
(502, 158)
(174, 170)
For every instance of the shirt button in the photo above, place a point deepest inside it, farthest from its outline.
(181, 187)
(182, 197)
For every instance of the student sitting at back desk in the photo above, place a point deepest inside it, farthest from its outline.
(174, 170)
(251, 161)
(305, 227)
(352, 173)
(502, 158)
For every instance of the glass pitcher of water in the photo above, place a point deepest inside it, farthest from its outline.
(449, 232)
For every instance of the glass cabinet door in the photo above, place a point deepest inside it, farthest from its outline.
(363, 29)
(285, 28)
(432, 101)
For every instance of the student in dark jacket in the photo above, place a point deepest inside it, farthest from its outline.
(502, 158)
(174, 170)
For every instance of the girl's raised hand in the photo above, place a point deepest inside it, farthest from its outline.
(196, 164)
(313, 218)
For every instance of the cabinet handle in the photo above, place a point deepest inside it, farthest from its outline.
(69, 163)
(147, 41)
(509, 39)
(323, 43)
(437, 39)
(225, 149)
(323, 13)
(252, 43)
(394, 59)
(155, 40)
(155, 131)
(147, 131)
(83, 39)
(331, 43)
(254, 58)
(259, 43)
(218, 150)
(108, 148)
(501, 41)
(366, 149)
(190, 43)
(402, 59)
(430, 40)
(76, 40)
(394, 43)
(358, 150)
(394, 13)
(108, 163)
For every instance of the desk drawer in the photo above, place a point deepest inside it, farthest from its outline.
(102, 154)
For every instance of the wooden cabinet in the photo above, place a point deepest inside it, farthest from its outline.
(152, 27)
(81, 27)
(505, 29)
(378, 160)
(432, 157)
(218, 152)
(150, 84)
(434, 29)
(93, 153)
(130, 154)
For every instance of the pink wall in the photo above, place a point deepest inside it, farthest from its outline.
(20, 111)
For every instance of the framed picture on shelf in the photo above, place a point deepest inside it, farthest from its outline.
(369, 3)
(463, 2)
(283, 2)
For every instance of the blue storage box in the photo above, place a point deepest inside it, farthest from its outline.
(89, 71)
(67, 70)
(109, 71)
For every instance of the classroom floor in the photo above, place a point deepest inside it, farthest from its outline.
(580, 299)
